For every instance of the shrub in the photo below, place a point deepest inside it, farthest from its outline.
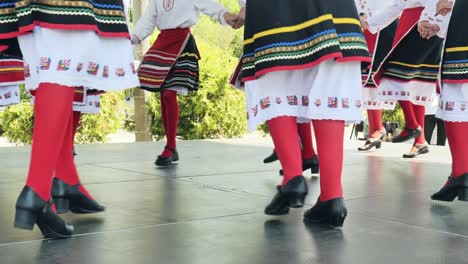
(18, 120)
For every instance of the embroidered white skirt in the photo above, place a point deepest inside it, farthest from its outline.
(372, 101)
(9, 94)
(330, 90)
(418, 93)
(453, 105)
(77, 58)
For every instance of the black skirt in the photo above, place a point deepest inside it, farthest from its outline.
(298, 34)
(455, 61)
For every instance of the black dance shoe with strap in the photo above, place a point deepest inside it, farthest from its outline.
(332, 212)
(167, 161)
(453, 188)
(312, 164)
(291, 195)
(272, 158)
(69, 198)
(373, 142)
(410, 134)
(31, 210)
(416, 150)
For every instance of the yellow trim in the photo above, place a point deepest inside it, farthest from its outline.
(150, 79)
(414, 65)
(12, 69)
(306, 24)
(456, 49)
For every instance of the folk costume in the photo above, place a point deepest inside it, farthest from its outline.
(11, 73)
(409, 72)
(171, 65)
(379, 45)
(69, 50)
(454, 100)
(301, 62)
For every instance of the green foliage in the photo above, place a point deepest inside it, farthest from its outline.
(394, 116)
(95, 128)
(18, 120)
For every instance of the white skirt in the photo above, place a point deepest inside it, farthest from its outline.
(329, 91)
(92, 105)
(372, 101)
(9, 95)
(453, 105)
(418, 93)
(77, 58)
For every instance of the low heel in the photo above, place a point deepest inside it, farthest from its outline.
(296, 200)
(463, 194)
(336, 222)
(315, 169)
(378, 145)
(25, 219)
(62, 205)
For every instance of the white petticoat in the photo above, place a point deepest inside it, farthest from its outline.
(9, 95)
(91, 104)
(77, 58)
(453, 105)
(418, 93)
(330, 91)
(372, 101)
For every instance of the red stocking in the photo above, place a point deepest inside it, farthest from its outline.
(378, 124)
(170, 119)
(420, 114)
(457, 136)
(52, 113)
(410, 118)
(66, 168)
(283, 131)
(305, 134)
(330, 135)
(370, 118)
(76, 122)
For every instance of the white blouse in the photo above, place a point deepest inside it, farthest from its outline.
(171, 14)
(384, 17)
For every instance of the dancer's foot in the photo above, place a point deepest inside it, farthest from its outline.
(169, 156)
(332, 212)
(312, 164)
(272, 158)
(32, 210)
(375, 140)
(73, 198)
(407, 134)
(453, 187)
(291, 195)
(416, 150)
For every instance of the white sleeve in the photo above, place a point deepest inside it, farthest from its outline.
(147, 23)
(429, 14)
(429, 11)
(443, 22)
(386, 16)
(242, 3)
(211, 8)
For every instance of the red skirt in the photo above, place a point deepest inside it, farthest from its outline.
(172, 61)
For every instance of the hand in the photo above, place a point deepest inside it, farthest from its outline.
(444, 7)
(427, 30)
(364, 23)
(233, 20)
(135, 40)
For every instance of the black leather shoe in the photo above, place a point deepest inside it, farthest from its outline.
(32, 210)
(69, 198)
(411, 133)
(291, 195)
(453, 188)
(272, 158)
(416, 150)
(332, 212)
(163, 161)
(312, 164)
